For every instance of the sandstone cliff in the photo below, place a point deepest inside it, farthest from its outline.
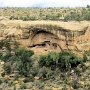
(43, 36)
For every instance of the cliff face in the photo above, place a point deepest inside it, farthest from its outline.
(43, 36)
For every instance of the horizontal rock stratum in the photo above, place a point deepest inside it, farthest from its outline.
(44, 36)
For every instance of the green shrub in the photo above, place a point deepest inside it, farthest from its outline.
(23, 60)
(23, 86)
(42, 72)
(50, 74)
(34, 71)
(13, 18)
(86, 16)
(23, 53)
(49, 60)
(73, 16)
(63, 60)
(7, 68)
(68, 60)
(86, 56)
(5, 43)
(75, 84)
(6, 57)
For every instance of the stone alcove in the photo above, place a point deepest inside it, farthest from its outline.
(42, 40)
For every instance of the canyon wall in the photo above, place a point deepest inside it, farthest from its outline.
(44, 36)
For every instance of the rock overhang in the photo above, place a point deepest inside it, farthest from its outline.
(71, 34)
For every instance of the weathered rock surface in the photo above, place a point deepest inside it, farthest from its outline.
(43, 36)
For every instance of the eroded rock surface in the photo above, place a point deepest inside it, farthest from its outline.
(44, 36)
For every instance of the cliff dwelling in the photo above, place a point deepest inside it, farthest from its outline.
(43, 36)
(44, 41)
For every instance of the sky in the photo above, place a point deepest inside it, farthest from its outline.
(44, 3)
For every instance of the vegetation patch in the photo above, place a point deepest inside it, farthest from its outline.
(63, 69)
(65, 14)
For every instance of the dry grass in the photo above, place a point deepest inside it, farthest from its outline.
(71, 25)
